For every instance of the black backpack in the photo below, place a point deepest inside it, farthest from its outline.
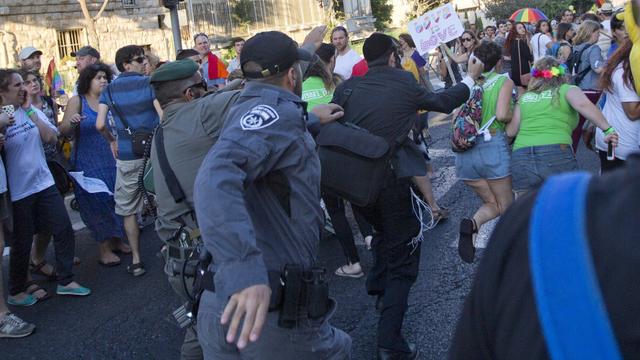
(573, 65)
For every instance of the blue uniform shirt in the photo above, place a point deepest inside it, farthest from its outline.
(134, 96)
(257, 193)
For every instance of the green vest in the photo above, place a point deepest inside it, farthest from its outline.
(490, 94)
(544, 121)
(314, 92)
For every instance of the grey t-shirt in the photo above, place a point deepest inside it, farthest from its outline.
(591, 59)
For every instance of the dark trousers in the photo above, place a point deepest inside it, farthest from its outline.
(44, 210)
(396, 261)
(336, 209)
(608, 165)
(576, 135)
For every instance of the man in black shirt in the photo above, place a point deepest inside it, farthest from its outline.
(500, 320)
(386, 102)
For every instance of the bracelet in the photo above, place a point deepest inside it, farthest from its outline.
(609, 131)
(30, 111)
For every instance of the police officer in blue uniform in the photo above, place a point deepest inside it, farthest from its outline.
(257, 196)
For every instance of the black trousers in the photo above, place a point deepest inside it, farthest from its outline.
(396, 261)
(608, 165)
(336, 207)
(44, 210)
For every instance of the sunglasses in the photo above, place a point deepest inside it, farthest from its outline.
(202, 84)
(139, 59)
(467, 39)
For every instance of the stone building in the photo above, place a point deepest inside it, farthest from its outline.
(58, 27)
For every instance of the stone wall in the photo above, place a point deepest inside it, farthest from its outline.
(35, 22)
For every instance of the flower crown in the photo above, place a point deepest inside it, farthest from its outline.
(550, 73)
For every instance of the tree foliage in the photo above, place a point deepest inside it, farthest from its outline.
(422, 6)
(381, 10)
(503, 9)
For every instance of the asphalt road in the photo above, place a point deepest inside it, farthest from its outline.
(129, 318)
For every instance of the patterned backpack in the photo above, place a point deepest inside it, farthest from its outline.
(467, 122)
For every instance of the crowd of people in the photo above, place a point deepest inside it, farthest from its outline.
(233, 150)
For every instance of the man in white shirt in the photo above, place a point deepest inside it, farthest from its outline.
(604, 41)
(346, 57)
(234, 64)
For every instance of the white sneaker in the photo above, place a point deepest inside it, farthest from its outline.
(12, 326)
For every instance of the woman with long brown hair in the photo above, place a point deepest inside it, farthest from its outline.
(621, 108)
(517, 45)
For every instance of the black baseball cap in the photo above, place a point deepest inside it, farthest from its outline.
(274, 51)
(86, 50)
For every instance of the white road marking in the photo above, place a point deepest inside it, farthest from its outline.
(443, 180)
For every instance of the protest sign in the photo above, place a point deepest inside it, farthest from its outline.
(434, 27)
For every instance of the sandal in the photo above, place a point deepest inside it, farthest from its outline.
(33, 288)
(136, 269)
(340, 272)
(466, 250)
(36, 269)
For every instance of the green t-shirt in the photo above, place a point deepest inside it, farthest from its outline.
(314, 92)
(544, 121)
(491, 92)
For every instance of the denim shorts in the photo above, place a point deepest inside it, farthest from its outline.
(485, 160)
(530, 166)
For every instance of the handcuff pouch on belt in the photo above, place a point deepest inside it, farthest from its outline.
(304, 294)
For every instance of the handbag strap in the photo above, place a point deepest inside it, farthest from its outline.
(169, 176)
(76, 136)
(519, 57)
(113, 105)
(571, 310)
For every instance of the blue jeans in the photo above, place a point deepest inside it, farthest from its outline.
(44, 210)
(530, 166)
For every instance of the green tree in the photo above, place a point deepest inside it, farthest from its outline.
(381, 10)
(422, 6)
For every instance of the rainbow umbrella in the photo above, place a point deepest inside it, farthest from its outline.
(528, 15)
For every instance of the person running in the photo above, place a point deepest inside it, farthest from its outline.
(541, 40)
(92, 155)
(519, 49)
(485, 167)
(621, 109)
(542, 124)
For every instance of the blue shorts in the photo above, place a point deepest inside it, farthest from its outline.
(485, 160)
(532, 165)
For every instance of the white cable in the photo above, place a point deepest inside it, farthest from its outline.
(419, 208)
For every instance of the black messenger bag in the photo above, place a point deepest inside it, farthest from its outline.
(354, 162)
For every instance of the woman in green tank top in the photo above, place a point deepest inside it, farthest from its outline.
(543, 121)
(485, 167)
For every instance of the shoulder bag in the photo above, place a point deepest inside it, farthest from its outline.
(571, 310)
(524, 78)
(355, 163)
(139, 138)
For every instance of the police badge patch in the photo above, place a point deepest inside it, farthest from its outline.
(259, 117)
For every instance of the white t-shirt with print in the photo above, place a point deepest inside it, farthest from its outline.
(27, 168)
(628, 131)
(539, 43)
(345, 63)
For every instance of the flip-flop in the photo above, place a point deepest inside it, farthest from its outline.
(136, 269)
(109, 264)
(32, 288)
(340, 272)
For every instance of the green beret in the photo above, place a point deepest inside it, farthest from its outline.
(175, 70)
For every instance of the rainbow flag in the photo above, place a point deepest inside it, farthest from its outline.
(53, 79)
